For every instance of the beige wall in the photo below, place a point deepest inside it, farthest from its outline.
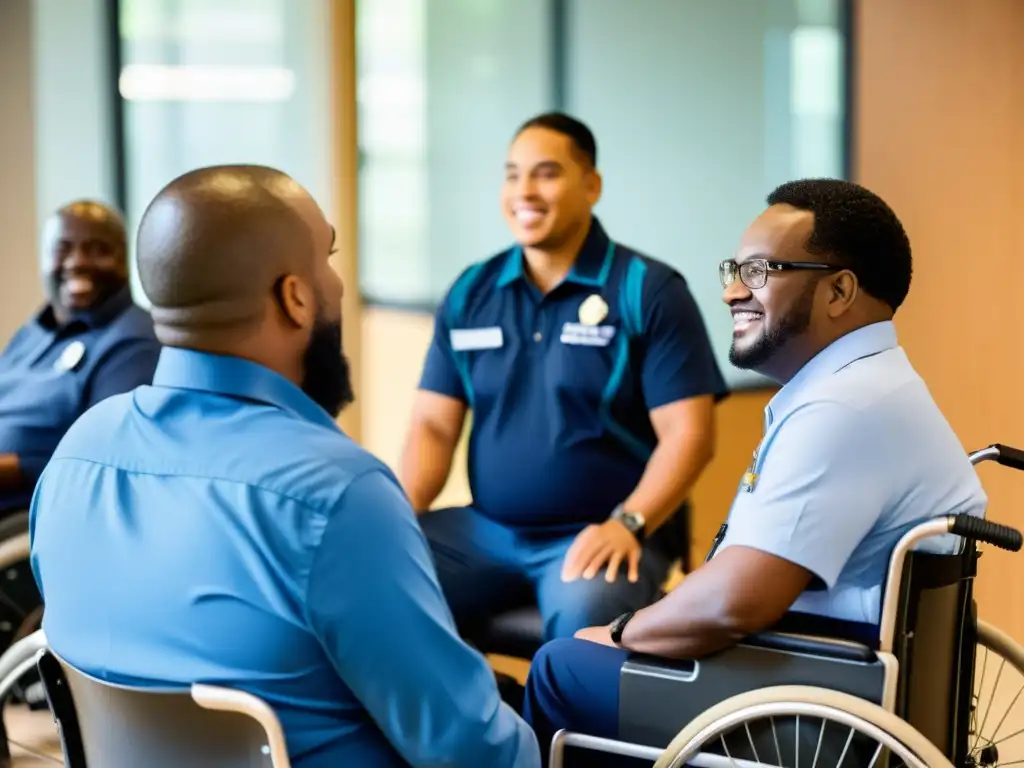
(19, 284)
(940, 134)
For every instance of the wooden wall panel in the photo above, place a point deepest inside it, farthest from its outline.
(940, 135)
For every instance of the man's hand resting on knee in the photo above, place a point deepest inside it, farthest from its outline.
(608, 543)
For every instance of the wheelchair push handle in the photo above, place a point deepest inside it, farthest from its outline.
(977, 529)
(1006, 455)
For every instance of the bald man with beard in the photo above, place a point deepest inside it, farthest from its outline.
(229, 530)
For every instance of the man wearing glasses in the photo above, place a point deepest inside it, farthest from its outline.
(855, 452)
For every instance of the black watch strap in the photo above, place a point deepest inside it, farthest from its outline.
(618, 625)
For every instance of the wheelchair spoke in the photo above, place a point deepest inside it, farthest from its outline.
(1009, 709)
(817, 749)
(1007, 738)
(874, 757)
(796, 743)
(726, 748)
(750, 740)
(34, 753)
(981, 687)
(775, 737)
(995, 686)
(849, 740)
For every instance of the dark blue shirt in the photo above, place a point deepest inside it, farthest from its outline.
(50, 374)
(561, 385)
(219, 527)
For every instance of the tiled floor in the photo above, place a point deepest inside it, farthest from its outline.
(37, 732)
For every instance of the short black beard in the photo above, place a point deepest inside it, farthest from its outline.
(764, 349)
(327, 380)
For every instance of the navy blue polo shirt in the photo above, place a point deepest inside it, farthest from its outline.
(561, 385)
(51, 374)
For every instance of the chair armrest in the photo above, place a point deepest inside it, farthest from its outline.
(824, 647)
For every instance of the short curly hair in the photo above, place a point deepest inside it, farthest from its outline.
(855, 228)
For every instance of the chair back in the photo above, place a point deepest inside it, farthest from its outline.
(104, 725)
(934, 645)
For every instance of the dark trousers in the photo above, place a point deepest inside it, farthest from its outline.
(486, 568)
(574, 684)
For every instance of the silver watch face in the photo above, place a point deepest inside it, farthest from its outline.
(633, 521)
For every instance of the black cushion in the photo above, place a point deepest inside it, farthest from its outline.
(518, 633)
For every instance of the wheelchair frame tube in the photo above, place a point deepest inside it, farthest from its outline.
(893, 582)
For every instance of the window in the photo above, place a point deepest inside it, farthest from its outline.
(700, 108)
(442, 84)
(224, 81)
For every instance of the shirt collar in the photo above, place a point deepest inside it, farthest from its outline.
(863, 342)
(95, 317)
(592, 265)
(232, 376)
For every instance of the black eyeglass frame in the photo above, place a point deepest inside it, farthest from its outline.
(729, 270)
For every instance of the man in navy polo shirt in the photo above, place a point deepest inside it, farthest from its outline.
(592, 384)
(89, 342)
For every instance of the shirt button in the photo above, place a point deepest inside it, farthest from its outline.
(537, 336)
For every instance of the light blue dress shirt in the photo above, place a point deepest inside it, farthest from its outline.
(855, 453)
(219, 527)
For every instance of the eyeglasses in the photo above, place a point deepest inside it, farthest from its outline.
(753, 273)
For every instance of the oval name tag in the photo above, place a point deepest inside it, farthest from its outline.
(71, 357)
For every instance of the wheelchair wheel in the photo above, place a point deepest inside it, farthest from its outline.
(796, 726)
(21, 610)
(998, 660)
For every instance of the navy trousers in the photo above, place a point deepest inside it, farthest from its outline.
(574, 684)
(486, 568)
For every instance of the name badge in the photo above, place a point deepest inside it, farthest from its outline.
(587, 335)
(70, 358)
(471, 339)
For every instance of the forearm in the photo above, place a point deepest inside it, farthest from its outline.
(677, 629)
(671, 472)
(11, 477)
(425, 465)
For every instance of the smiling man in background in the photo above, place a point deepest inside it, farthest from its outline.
(592, 383)
(89, 342)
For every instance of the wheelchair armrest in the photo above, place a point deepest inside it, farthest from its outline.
(822, 647)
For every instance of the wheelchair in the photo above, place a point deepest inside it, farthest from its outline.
(813, 691)
(20, 611)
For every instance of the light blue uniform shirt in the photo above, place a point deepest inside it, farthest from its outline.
(219, 527)
(855, 453)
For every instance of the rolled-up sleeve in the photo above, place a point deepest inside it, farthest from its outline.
(678, 361)
(376, 605)
(816, 495)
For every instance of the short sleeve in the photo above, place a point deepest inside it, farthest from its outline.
(128, 365)
(818, 490)
(440, 371)
(678, 360)
(374, 602)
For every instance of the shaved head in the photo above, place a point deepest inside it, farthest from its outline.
(93, 212)
(235, 261)
(214, 242)
(84, 258)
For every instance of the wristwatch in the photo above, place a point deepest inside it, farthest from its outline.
(618, 625)
(635, 522)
